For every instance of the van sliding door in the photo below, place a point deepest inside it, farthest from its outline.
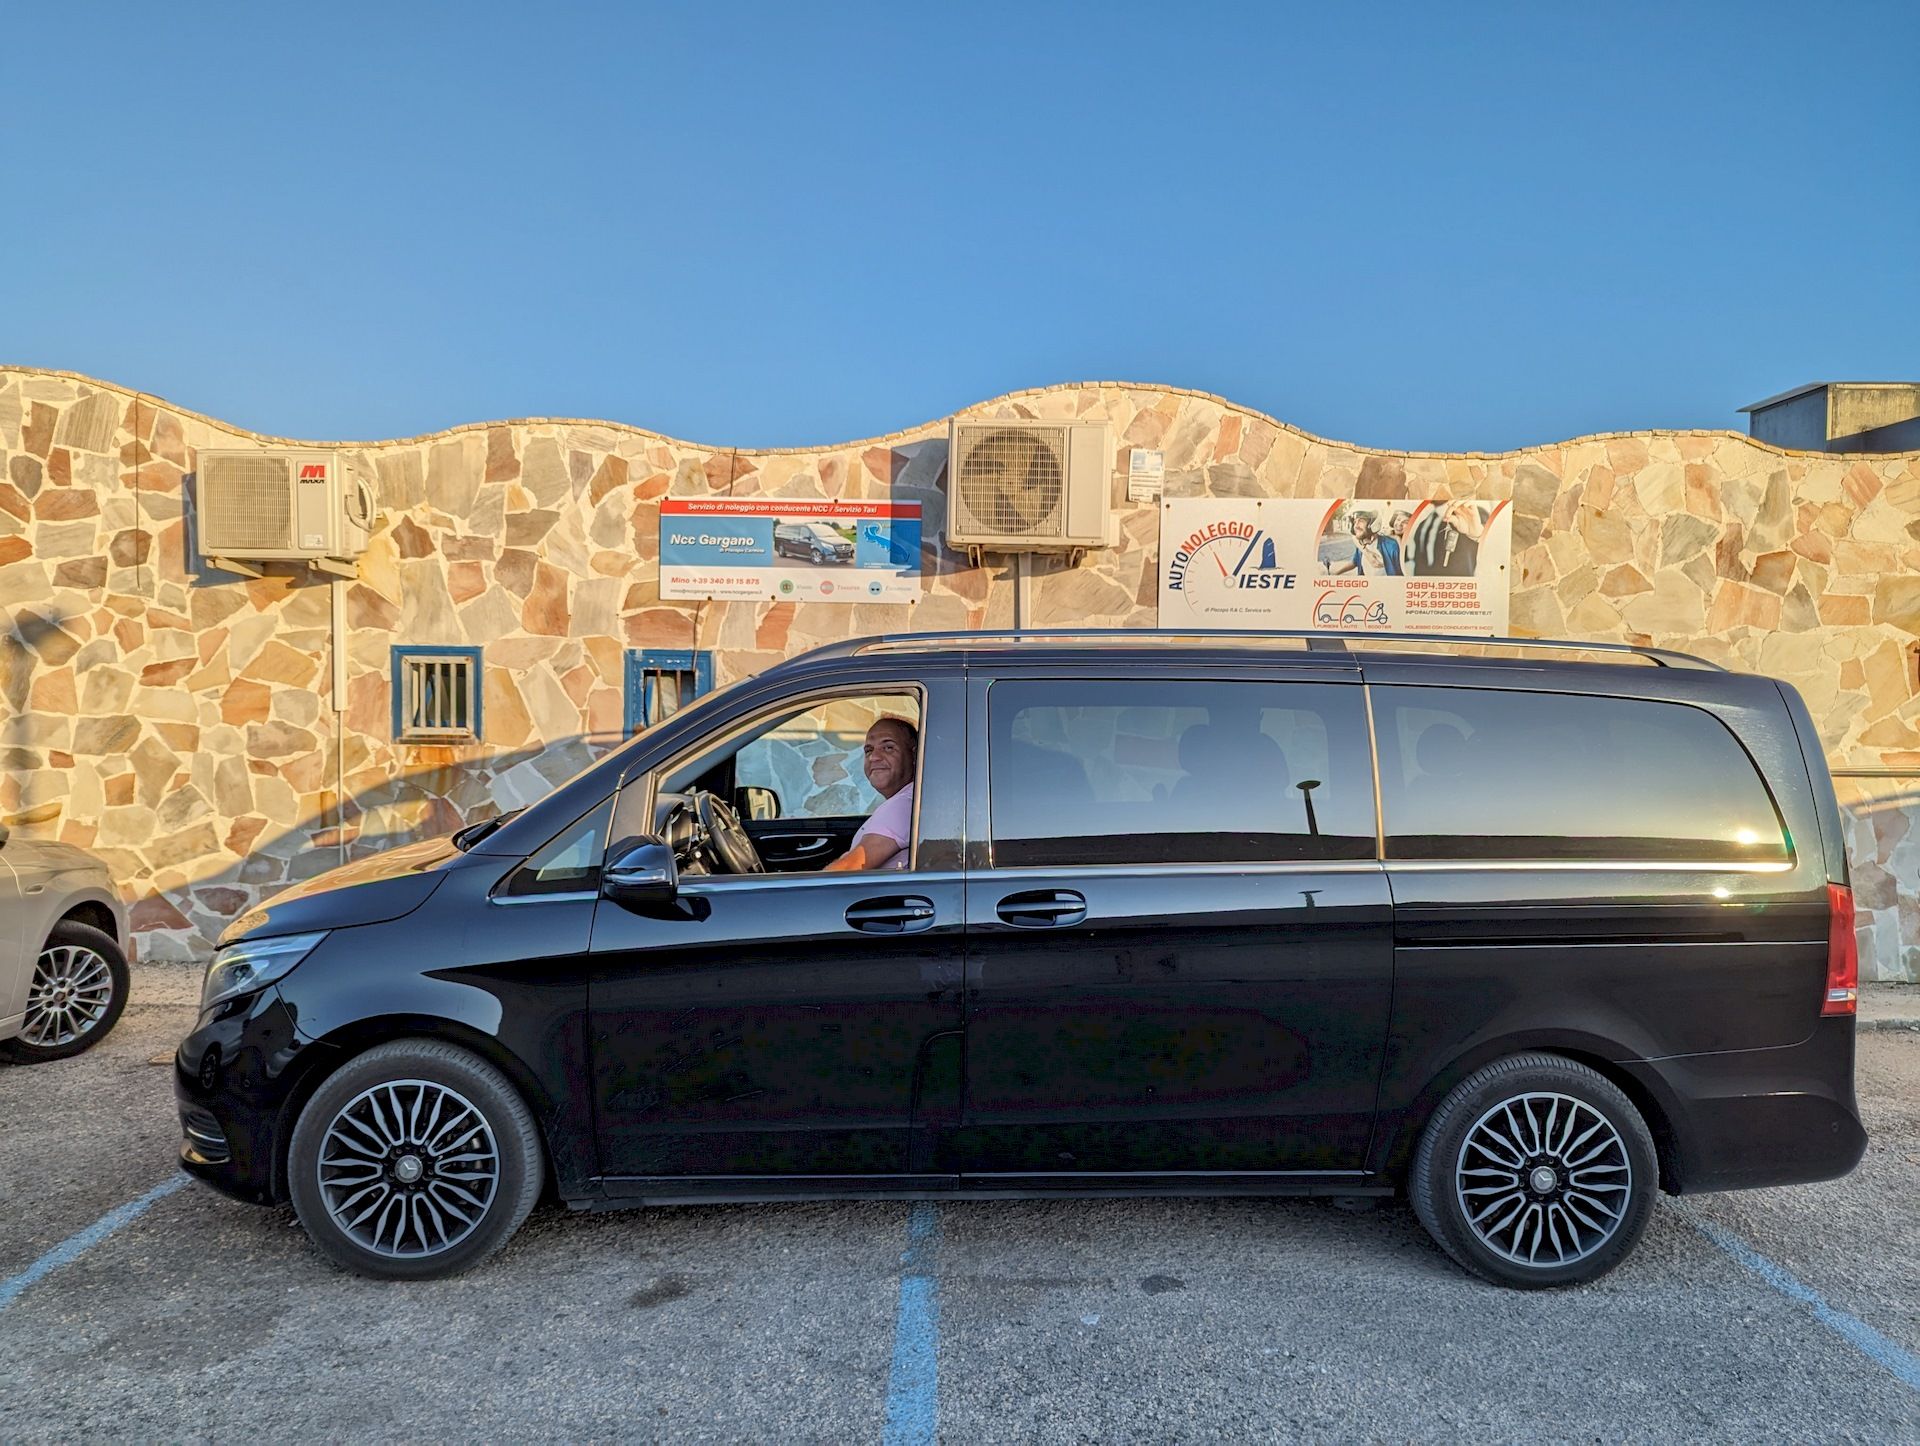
(1179, 953)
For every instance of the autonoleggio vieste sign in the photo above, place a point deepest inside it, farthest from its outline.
(1393, 566)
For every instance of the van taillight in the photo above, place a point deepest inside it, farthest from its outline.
(1843, 954)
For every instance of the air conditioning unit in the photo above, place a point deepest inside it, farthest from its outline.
(286, 506)
(1028, 487)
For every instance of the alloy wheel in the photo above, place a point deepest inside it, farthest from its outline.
(1543, 1179)
(408, 1168)
(71, 992)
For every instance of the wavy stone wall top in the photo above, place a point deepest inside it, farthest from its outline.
(1014, 400)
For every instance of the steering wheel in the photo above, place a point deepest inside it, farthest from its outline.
(726, 842)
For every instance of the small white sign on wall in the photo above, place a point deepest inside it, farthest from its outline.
(1146, 475)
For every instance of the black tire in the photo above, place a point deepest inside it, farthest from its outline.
(1510, 1099)
(68, 935)
(393, 1076)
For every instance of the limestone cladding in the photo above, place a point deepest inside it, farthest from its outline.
(176, 720)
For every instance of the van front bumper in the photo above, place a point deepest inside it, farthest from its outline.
(236, 1078)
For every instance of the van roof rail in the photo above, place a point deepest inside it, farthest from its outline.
(1173, 637)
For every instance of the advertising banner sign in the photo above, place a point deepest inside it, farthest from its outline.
(1289, 564)
(791, 549)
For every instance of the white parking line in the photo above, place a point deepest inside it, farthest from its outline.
(1901, 1362)
(75, 1246)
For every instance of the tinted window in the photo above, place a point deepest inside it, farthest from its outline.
(1178, 772)
(569, 863)
(1471, 774)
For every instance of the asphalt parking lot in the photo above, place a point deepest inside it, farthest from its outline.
(1775, 1314)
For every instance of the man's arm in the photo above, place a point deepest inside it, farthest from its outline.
(875, 851)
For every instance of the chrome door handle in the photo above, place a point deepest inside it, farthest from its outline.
(900, 915)
(800, 842)
(1043, 909)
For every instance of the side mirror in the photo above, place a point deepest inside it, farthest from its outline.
(642, 876)
(754, 802)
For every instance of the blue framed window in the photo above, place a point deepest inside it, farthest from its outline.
(661, 681)
(437, 695)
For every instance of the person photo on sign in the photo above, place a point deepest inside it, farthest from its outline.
(890, 757)
(1374, 554)
(1445, 540)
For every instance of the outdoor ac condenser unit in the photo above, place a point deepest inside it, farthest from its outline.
(1028, 486)
(282, 506)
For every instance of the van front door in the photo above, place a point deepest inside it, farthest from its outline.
(786, 1025)
(1179, 959)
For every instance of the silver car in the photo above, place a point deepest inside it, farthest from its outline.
(63, 959)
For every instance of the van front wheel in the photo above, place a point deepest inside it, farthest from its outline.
(415, 1160)
(1535, 1171)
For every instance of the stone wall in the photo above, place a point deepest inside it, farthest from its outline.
(177, 720)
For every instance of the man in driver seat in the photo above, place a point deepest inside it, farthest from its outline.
(892, 753)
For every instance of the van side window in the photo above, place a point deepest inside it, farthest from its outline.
(1160, 772)
(1483, 774)
(812, 764)
(568, 863)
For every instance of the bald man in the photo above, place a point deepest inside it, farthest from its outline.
(890, 756)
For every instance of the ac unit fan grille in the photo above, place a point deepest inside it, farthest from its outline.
(247, 502)
(1011, 481)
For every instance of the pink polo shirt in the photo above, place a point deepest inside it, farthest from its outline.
(892, 819)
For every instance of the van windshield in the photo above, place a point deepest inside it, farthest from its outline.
(615, 761)
(615, 758)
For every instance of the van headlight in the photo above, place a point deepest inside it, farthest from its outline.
(253, 964)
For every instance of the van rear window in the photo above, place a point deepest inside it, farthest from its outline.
(1485, 774)
(1161, 772)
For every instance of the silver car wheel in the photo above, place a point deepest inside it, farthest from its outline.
(408, 1168)
(1543, 1180)
(71, 991)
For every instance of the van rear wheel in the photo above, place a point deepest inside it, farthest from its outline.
(415, 1160)
(1535, 1171)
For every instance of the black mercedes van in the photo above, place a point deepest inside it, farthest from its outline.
(1525, 930)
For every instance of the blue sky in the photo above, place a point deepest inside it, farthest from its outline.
(1424, 227)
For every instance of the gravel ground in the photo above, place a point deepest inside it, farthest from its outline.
(1125, 1320)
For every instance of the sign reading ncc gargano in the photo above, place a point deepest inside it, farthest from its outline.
(791, 549)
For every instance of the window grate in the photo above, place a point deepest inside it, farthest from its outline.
(436, 695)
(662, 681)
